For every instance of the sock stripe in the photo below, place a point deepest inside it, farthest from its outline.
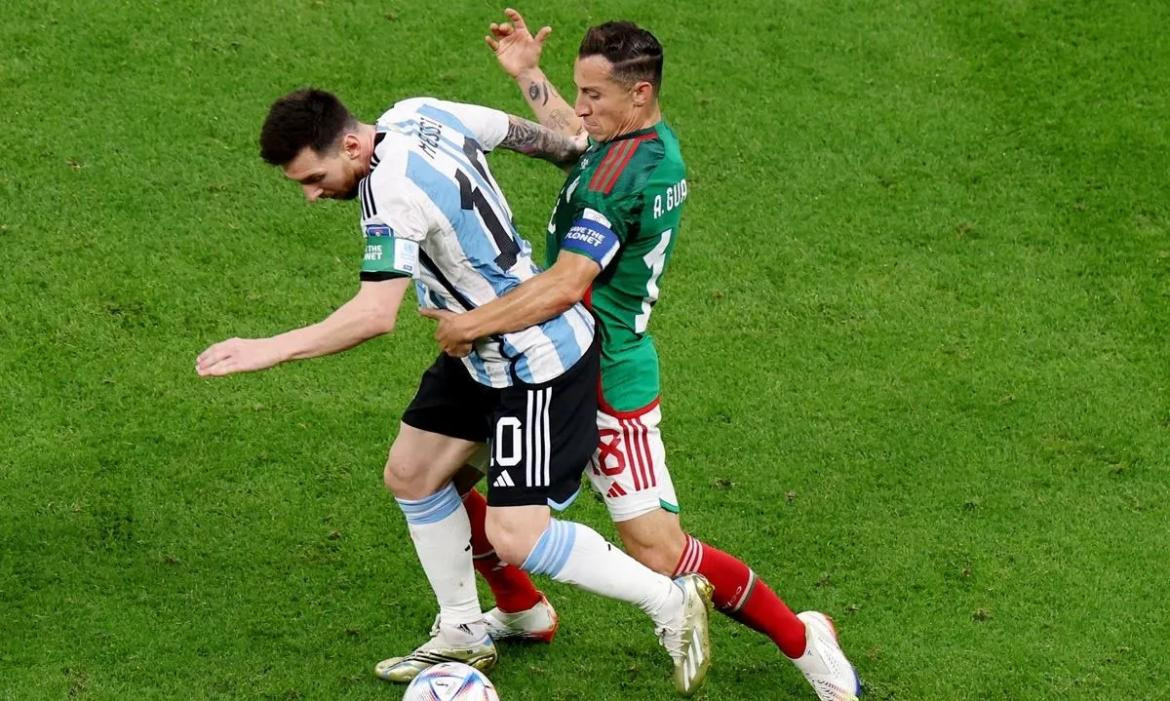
(747, 592)
(432, 509)
(552, 549)
(697, 554)
(691, 558)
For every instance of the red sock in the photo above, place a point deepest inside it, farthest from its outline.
(740, 594)
(510, 585)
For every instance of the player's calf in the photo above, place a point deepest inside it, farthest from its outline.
(655, 539)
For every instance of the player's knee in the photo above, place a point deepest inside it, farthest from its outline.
(405, 477)
(512, 544)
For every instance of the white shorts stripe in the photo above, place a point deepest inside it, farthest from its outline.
(547, 437)
(538, 439)
(631, 460)
(528, 442)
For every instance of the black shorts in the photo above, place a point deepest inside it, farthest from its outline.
(541, 437)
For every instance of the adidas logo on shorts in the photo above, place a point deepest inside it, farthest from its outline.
(504, 480)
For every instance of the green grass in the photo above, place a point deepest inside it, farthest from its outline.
(913, 340)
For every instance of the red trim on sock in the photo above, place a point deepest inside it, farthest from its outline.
(510, 585)
(743, 596)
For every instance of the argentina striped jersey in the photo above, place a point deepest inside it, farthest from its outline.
(430, 202)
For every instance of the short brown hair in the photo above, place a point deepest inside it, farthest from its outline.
(634, 52)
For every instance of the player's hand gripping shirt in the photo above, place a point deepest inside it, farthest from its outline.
(621, 205)
(431, 210)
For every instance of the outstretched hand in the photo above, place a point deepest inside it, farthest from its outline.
(237, 355)
(515, 47)
(452, 338)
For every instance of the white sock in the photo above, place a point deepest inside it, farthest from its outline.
(576, 554)
(441, 533)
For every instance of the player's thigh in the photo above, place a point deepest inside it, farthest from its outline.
(629, 466)
(443, 426)
(420, 462)
(542, 437)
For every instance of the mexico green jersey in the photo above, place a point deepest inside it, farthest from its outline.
(620, 206)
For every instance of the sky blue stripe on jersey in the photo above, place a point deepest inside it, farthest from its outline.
(479, 367)
(446, 118)
(553, 549)
(523, 371)
(489, 190)
(475, 241)
(560, 332)
(432, 509)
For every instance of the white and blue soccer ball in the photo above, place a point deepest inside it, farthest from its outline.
(451, 681)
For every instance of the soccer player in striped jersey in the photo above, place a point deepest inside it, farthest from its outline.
(610, 237)
(433, 215)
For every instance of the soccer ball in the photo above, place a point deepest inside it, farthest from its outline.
(451, 681)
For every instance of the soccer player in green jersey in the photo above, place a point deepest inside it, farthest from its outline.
(611, 234)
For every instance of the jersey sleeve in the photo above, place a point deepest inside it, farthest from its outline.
(601, 227)
(662, 204)
(395, 220)
(488, 126)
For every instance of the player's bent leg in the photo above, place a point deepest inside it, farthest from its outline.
(576, 554)
(521, 612)
(440, 530)
(629, 469)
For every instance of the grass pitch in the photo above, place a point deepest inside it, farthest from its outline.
(913, 340)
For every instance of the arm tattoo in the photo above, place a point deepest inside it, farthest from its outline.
(556, 120)
(535, 91)
(531, 139)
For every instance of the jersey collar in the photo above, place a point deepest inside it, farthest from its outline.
(630, 134)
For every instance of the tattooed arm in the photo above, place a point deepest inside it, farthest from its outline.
(533, 140)
(547, 104)
(518, 52)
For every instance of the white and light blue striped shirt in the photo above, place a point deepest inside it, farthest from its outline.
(430, 185)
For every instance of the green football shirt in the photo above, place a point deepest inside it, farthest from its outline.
(621, 206)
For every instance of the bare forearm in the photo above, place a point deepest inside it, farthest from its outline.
(351, 324)
(536, 300)
(551, 110)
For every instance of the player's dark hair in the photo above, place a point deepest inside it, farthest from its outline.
(634, 52)
(307, 117)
